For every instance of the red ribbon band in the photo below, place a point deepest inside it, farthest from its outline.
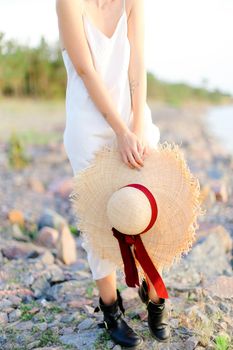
(126, 241)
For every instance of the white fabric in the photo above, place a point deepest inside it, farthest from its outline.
(86, 129)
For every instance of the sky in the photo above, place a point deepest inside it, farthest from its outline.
(185, 40)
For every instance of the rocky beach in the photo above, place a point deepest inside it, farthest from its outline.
(47, 296)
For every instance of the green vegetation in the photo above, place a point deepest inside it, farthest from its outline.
(26, 71)
(39, 72)
(74, 231)
(222, 342)
(102, 341)
(90, 289)
(26, 310)
(55, 309)
(30, 137)
(49, 337)
(17, 157)
(178, 93)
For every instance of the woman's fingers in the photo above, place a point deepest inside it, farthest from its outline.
(135, 158)
(140, 148)
(131, 150)
(126, 160)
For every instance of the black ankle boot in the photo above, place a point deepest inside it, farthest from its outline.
(158, 326)
(117, 328)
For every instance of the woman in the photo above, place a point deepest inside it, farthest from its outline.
(102, 45)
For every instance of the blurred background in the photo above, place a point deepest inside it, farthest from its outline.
(189, 55)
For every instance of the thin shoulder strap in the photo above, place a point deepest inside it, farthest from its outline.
(83, 8)
(123, 5)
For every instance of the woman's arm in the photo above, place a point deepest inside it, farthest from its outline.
(69, 14)
(70, 22)
(137, 70)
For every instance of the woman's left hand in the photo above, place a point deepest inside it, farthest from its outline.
(143, 146)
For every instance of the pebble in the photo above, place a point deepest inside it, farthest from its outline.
(5, 303)
(42, 326)
(25, 326)
(16, 217)
(66, 247)
(191, 343)
(47, 258)
(14, 315)
(86, 324)
(33, 345)
(89, 309)
(36, 185)
(40, 286)
(82, 340)
(47, 237)
(50, 218)
(3, 318)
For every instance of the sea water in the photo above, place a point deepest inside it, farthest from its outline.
(220, 122)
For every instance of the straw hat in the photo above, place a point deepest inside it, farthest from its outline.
(141, 219)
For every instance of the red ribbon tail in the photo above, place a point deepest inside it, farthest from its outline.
(131, 273)
(149, 268)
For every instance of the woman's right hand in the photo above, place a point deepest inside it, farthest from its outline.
(130, 149)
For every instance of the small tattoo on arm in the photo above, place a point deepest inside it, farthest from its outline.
(105, 115)
(133, 84)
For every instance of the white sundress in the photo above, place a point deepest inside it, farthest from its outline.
(86, 129)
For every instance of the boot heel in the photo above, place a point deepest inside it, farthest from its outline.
(143, 292)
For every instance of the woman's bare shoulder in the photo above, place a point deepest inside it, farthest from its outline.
(64, 8)
(75, 4)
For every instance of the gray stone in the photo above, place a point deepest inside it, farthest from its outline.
(63, 289)
(195, 310)
(3, 340)
(211, 309)
(86, 324)
(47, 237)
(47, 258)
(221, 286)
(174, 322)
(3, 318)
(25, 326)
(191, 343)
(83, 340)
(29, 279)
(195, 267)
(51, 219)
(15, 300)
(42, 326)
(56, 273)
(4, 304)
(224, 307)
(77, 316)
(116, 347)
(50, 348)
(14, 315)
(33, 345)
(173, 346)
(67, 330)
(110, 344)
(40, 286)
(89, 309)
(67, 318)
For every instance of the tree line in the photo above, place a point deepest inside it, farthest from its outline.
(40, 72)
